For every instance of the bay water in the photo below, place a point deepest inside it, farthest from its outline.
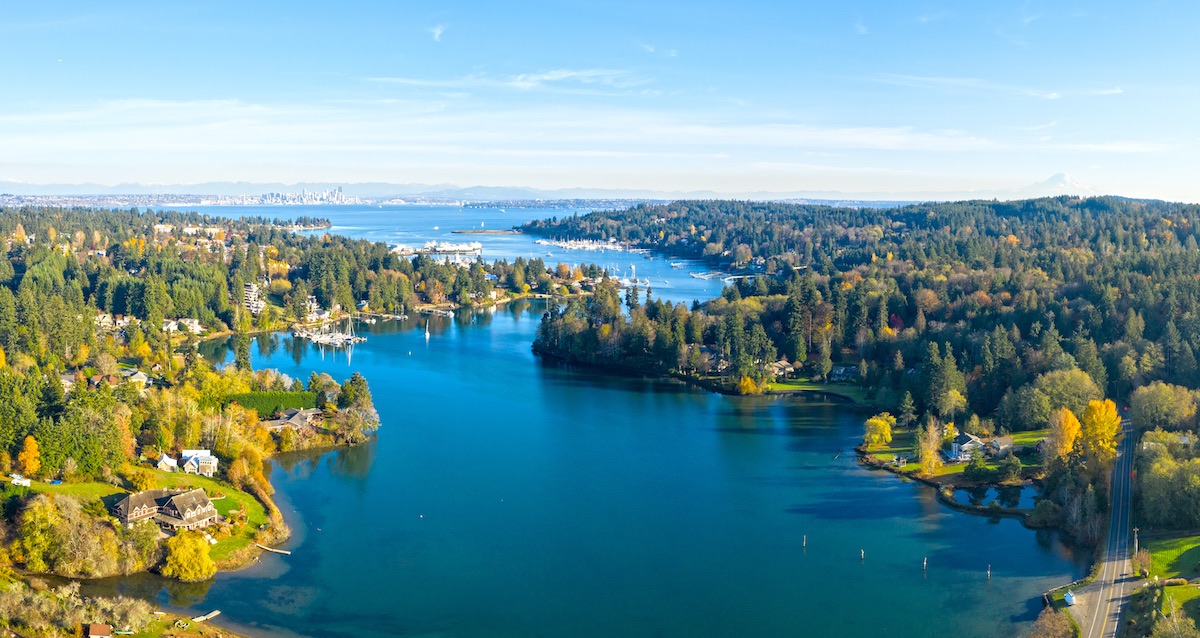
(505, 496)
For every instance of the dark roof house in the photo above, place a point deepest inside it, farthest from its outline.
(295, 419)
(170, 509)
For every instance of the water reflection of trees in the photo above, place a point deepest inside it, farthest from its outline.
(182, 594)
(1009, 497)
(353, 462)
(216, 350)
(299, 465)
(297, 348)
(268, 343)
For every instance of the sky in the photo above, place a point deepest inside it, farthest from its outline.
(735, 97)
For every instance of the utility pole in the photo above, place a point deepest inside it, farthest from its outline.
(1135, 540)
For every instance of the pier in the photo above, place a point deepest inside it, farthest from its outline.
(212, 614)
(272, 549)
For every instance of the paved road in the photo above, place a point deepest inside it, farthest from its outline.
(1106, 596)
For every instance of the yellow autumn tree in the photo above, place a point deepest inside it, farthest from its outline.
(29, 459)
(1063, 435)
(878, 429)
(1101, 423)
(929, 447)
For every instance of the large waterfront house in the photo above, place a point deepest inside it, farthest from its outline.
(200, 462)
(299, 420)
(170, 509)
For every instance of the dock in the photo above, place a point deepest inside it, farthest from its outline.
(272, 549)
(212, 614)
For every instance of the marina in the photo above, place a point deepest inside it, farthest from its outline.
(325, 335)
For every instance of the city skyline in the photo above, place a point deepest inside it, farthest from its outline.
(877, 97)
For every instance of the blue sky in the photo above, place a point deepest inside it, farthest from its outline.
(734, 97)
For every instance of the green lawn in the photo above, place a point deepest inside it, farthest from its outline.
(85, 491)
(901, 445)
(851, 391)
(1182, 596)
(234, 499)
(1174, 557)
(1028, 439)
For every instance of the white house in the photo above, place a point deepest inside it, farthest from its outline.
(167, 464)
(191, 325)
(963, 446)
(199, 462)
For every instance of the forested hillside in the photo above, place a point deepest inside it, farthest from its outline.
(979, 297)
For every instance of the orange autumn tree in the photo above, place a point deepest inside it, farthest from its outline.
(29, 459)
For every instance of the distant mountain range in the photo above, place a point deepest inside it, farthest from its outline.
(1060, 184)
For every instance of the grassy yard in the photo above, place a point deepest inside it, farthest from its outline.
(1174, 557)
(225, 499)
(901, 445)
(1182, 596)
(233, 499)
(84, 491)
(164, 627)
(1028, 439)
(851, 391)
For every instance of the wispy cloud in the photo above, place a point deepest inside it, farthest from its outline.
(979, 85)
(932, 17)
(648, 48)
(437, 31)
(606, 77)
(860, 28)
(555, 79)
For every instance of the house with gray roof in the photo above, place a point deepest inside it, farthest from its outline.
(170, 509)
(296, 419)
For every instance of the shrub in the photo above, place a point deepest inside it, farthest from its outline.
(268, 403)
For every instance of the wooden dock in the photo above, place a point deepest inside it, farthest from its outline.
(212, 614)
(272, 549)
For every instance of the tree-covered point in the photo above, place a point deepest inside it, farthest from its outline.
(986, 299)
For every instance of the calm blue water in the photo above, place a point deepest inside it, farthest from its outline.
(505, 497)
(415, 225)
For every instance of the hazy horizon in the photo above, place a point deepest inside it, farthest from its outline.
(911, 97)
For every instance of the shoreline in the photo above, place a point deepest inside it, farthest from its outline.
(700, 383)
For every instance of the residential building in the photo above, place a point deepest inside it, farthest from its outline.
(191, 325)
(97, 630)
(167, 464)
(174, 510)
(963, 446)
(200, 462)
(300, 420)
(252, 299)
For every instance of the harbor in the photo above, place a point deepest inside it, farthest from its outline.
(325, 335)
